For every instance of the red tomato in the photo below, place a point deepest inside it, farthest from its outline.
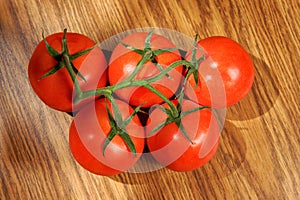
(123, 62)
(56, 90)
(172, 149)
(88, 132)
(226, 76)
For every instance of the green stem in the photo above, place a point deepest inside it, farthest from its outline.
(163, 97)
(146, 57)
(128, 82)
(108, 90)
(166, 70)
(68, 64)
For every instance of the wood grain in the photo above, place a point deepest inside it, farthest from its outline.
(259, 154)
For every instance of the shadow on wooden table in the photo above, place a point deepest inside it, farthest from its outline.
(229, 157)
(262, 96)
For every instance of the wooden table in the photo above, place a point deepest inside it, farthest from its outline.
(259, 154)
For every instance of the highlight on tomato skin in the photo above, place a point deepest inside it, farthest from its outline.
(171, 148)
(56, 89)
(225, 76)
(90, 129)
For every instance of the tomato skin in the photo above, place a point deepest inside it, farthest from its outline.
(57, 89)
(123, 61)
(189, 160)
(226, 76)
(90, 128)
(85, 158)
(170, 147)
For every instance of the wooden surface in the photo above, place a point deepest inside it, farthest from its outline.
(259, 152)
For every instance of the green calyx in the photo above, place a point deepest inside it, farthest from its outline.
(195, 63)
(148, 53)
(118, 126)
(61, 57)
(64, 59)
(176, 119)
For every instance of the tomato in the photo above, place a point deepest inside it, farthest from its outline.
(123, 62)
(56, 90)
(226, 75)
(172, 149)
(88, 132)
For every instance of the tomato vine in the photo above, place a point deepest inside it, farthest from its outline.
(118, 124)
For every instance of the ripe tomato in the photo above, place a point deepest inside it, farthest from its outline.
(172, 149)
(56, 90)
(226, 76)
(88, 132)
(123, 62)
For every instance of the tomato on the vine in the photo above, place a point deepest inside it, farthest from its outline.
(56, 89)
(89, 131)
(225, 76)
(124, 61)
(68, 71)
(170, 146)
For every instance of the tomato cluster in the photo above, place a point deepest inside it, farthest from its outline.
(146, 74)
